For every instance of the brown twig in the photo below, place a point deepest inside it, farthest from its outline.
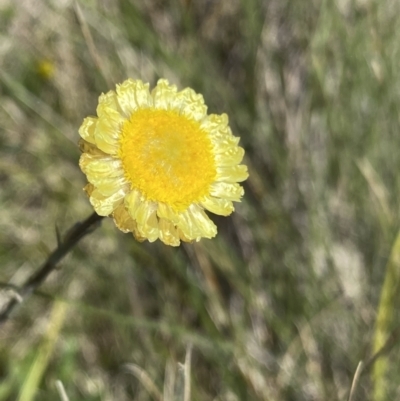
(72, 237)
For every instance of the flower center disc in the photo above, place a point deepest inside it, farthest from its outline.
(167, 156)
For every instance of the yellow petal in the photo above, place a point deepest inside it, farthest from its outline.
(132, 202)
(195, 224)
(222, 139)
(108, 130)
(207, 228)
(188, 227)
(232, 173)
(215, 122)
(86, 130)
(123, 220)
(147, 222)
(219, 131)
(222, 207)
(92, 149)
(184, 238)
(104, 172)
(229, 191)
(89, 188)
(232, 156)
(223, 143)
(109, 186)
(108, 100)
(133, 94)
(138, 236)
(190, 104)
(99, 165)
(168, 233)
(105, 205)
(108, 108)
(163, 94)
(166, 212)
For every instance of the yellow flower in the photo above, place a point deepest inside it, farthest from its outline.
(45, 69)
(155, 161)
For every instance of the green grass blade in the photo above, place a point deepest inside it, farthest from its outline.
(387, 305)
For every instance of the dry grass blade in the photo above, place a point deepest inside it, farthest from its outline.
(61, 391)
(187, 368)
(169, 381)
(146, 380)
(378, 189)
(91, 46)
(38, 106)
(356, 379)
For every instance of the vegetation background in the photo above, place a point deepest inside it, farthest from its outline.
(300, 285)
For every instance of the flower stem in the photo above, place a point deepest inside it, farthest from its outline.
(72, 237)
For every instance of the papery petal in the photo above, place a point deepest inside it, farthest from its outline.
(86, 130)
(220, 134)
(163, 94)
(207, 228)
(108, 100)
(184, 238)
(190, 104)
(166, 212)
(195, 224)
(104, 172)
(108, 130)
(147, 222)
(105, 205)
(188, 226)
(168, 232)
(133, 94)
(138, 237)
(229, 191)
(109, 186)
(123, 220)
(132, 202)
(90, 148)
(100, 165)
(222, 207)
(236, 173)
(232, 156)
(223, 143)
(215, 122)
(89, 188)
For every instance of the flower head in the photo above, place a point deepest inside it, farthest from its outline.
(155, 161)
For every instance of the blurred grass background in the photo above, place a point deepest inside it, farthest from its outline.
(302, 281)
